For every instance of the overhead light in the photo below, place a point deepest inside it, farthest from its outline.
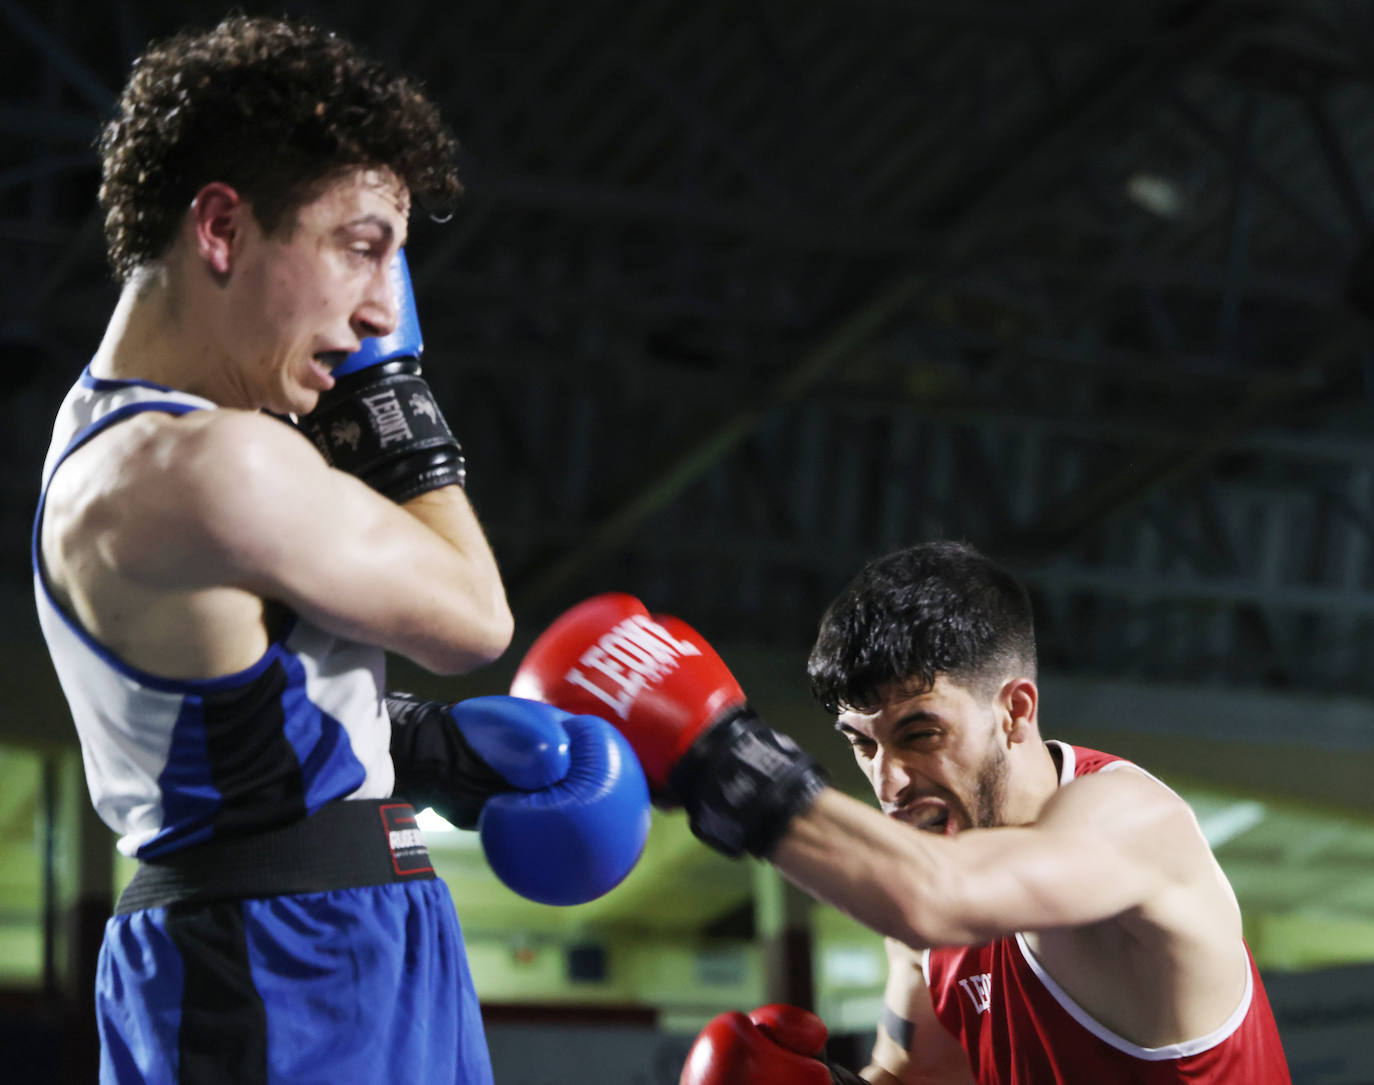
(1158, 195)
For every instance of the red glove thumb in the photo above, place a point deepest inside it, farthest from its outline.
(791, 1027)
(733, 1050)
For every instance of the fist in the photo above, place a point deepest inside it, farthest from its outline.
(774, 1045)
(654, 677)
(576, 816)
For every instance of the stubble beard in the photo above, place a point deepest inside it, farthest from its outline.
(990, 793)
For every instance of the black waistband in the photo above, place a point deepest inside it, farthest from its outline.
(343, 845)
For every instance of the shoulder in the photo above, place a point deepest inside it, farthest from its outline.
(216, 459)
(1126, 811)
(248, 440)
(154, 448)
(210, 466)
(192, 483)
(1118, 784)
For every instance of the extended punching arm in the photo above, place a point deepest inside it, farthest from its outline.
(665, 688)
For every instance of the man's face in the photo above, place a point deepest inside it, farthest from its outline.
(305, 297)
(935, 760)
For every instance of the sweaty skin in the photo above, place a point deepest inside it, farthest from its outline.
(1108, 875)
(193, 588)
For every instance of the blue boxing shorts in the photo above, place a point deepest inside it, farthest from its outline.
(365, 984)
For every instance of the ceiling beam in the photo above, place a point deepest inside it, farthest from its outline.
(961, 213)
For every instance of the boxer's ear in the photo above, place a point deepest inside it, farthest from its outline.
(217, 215)
(1017, 703)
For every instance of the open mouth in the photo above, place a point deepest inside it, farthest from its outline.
(929, 819)
(330, 358)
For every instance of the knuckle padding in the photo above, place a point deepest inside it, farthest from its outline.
(383, 426)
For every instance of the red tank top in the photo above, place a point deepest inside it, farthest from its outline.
(1020, 1028)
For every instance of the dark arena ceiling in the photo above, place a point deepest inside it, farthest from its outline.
(745, 293)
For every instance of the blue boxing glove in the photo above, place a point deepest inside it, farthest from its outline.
(380, 421)
(560, 801)
(405, 340)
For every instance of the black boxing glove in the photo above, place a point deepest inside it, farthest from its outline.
(380, 422)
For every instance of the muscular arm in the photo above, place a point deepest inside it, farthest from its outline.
(449, 514)
(1104, 845)
(257, 508)
(912, 1047)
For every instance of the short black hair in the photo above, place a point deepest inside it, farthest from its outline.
(930, 609)
(275, 108)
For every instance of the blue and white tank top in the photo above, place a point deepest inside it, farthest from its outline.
(173, 762)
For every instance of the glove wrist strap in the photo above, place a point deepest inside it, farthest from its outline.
(435, 765)
(742, 782)
(382, 425)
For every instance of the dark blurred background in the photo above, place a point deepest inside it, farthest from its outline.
(743, 294)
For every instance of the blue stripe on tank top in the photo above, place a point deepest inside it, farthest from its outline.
(250, 758)
(109, 384)
(324, 750)
(189, 797)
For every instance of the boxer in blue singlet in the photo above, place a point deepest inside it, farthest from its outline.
(218, 591)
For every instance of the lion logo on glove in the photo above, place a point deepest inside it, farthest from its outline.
(421, 405)
(345, 433)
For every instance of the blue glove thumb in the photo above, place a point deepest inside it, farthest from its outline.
(404, 341)
(573, 830)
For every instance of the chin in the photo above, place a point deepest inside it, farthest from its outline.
(294, 399)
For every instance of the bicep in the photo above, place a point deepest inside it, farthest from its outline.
(257, 508)
(1103, 846)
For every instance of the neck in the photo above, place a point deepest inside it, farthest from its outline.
(1040, 781)
(149, 337)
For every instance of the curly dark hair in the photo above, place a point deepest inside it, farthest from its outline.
(930, 609)
(274, 107)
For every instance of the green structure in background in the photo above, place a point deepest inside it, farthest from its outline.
(1304, 876)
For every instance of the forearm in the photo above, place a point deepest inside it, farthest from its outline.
(884, 874)
(448, 513)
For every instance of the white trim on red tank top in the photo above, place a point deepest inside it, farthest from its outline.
(1107, 1036)
(1069, 760)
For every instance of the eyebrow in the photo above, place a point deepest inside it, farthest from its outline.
(370, 220)
(920, 715)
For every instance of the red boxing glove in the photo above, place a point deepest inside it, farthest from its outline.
(654, 678)
(774, 1045)
(659, 682)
